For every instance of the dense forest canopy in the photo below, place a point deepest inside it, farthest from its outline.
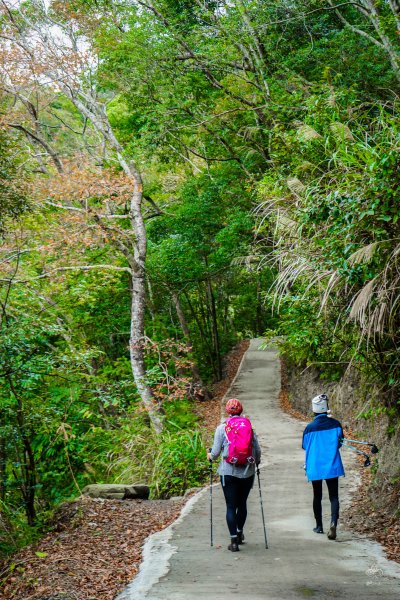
(176, 177)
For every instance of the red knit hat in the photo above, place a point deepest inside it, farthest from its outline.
(234, 407)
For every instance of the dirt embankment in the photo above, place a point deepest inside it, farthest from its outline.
(375, 505)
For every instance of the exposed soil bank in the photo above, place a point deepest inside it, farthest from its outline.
(375, 507)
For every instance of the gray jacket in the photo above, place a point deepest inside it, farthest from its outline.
(220, 446)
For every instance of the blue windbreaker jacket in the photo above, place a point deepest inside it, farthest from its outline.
(321, 441)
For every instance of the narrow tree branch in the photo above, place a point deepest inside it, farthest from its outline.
(56, 116)
(75, 208)
(154, 205)
(221, 114)
(355, 29)
(12, 281)
(301, 16)
(207, 72)
(39, 140)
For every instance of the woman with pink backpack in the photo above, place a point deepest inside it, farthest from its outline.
(240, 452)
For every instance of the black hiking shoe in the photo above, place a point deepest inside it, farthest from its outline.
(240, 538)
(233, 546)
(318, 529)
(332, 532)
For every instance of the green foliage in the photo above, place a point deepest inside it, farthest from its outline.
(171, 463)
(179, 415)
(180, 464)
(342, 236)
(13, 193)
(220, 106)
(15, 531)
(197, 253)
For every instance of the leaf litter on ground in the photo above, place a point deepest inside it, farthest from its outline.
(95, 548)
(379, 523)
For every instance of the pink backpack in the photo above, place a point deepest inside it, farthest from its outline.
(239, 433)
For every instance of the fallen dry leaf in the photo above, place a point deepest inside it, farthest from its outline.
(96, 548)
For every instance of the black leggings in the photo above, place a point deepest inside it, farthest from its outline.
(236, 491)
(333, 489)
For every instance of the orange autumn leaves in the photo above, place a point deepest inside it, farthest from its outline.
(86, 208)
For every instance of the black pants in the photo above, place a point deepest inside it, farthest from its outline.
(236, 491)
(333, 489)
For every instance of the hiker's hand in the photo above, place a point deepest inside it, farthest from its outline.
(209, 456)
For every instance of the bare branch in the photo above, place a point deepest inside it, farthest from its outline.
(75, 208)
(355, 29)
(12, 281)
(55, 115)
(157, 209)
(36, 138)
(206, 158)
(221, 114)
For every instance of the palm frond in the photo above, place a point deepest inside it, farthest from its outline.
(342, 131)
(307, 133)
(285, 223)
(334, 279)
(246, 261)
(361, 300)
(363, 255)
(296, 186)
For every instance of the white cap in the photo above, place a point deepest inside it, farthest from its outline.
(320, 404)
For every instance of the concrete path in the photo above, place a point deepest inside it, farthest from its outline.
(179, 563)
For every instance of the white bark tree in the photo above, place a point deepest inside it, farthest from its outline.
(57, 55)
(377, 32)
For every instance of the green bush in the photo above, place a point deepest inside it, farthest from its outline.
(179, 465)
(179, 415)
(170, 463)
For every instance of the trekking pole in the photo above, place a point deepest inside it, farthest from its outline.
(211, 484)
(367, 461)
(374, 448)
(262, 508)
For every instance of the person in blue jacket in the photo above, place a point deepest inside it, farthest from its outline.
(321, 441)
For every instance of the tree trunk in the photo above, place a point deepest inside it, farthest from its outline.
(28, 487)
(215, 332)
(138, 280)
(136, 347)
(186, 334)
(226, 315)
(259, 319)
(96, 113)
(2, 469)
